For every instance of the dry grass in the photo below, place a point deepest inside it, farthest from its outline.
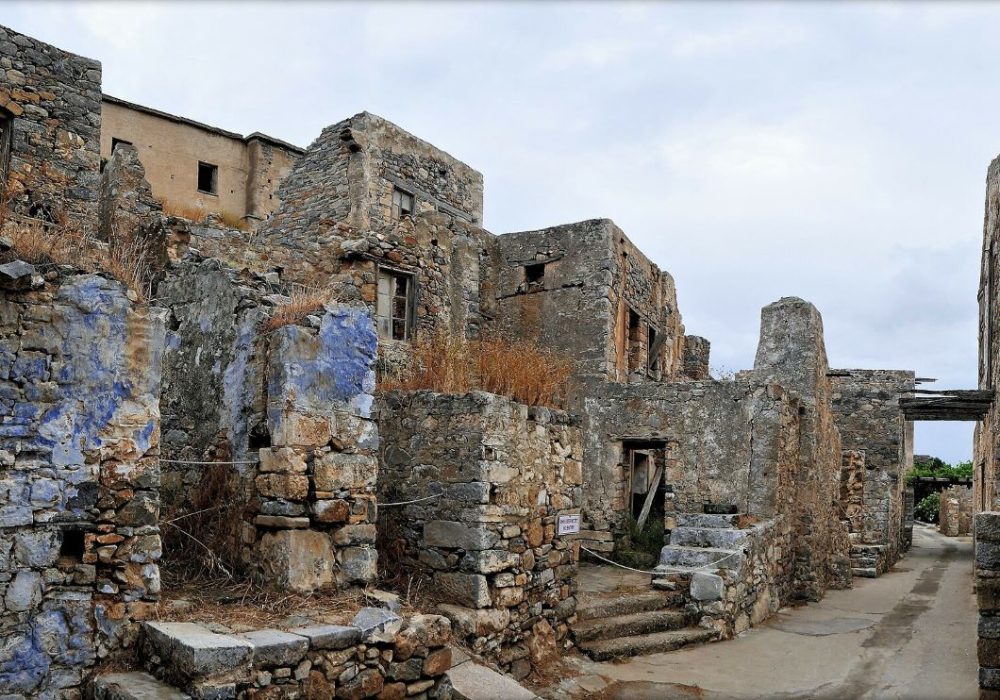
(304, 301)
(182, 211)
(519, 369)
(233, 221)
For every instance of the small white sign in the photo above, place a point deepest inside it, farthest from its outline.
(568, 524)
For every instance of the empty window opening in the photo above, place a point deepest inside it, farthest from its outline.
(402, 204)
(115, 143)
(208, 178)
(394, 305)
(636, 343)
(72, 545)
(653, 358)
(534, 274)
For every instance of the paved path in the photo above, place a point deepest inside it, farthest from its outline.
(909, 634)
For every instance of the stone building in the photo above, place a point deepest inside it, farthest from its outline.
(196, 168)
(113, 409)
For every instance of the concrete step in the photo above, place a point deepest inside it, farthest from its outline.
(865, 572)
(135, 685)
(604, 649)
(627, 605)
(706, 520)
(630, 625)
(680, 557)
(720, 538)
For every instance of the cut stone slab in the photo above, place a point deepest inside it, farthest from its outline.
(605, 649)
(706, 520)
(276, 648)
(681, 557)
(626, 605)
(630, 625)
(134, 686)
(705, 586)
(16, 275)
(374, 620)
(194, 651)
(718, 537)
(334, 637)
(472, 681)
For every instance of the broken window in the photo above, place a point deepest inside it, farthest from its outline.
(208, 178)
(115, 143)
(6, 128)
(534, 275)
(394, 305)
(402, 204)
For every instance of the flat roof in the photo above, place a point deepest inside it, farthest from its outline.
(255, 136)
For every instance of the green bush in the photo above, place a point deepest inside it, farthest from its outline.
(928, 508)
(940, 469)
(640, 549)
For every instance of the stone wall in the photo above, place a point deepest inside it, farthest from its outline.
(852, 492)
(571, 288)
(726, 443)
(792, 353)
(867, 413)
(379, 654)
(315, 488)
(696, 357)
(986, 454)
(493, 476)
(747, 592)
(79, 475)
(53, 99)
(987, 547)
(955, 516)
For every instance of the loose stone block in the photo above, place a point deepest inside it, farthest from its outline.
(195, 651)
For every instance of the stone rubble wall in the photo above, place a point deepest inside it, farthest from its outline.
(987, 552)
(852, 490)
(79, 475)
(955, 516)
(54, 98)
(867, 414)
(315, 484)
(697, 351)
(739, 597)
(379, 655)
(986, 449)
(506, 472)
(792, 353)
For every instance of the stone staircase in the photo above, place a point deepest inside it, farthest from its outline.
(635, 624)
(702, 542)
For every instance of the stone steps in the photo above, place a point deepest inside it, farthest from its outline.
(626, 605)
(707, 520)
(658, 642)
(630, 625)
(716, 537)
(681, 558)
(135, 685)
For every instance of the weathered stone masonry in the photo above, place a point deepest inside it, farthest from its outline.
(79, 477)
(503, 472)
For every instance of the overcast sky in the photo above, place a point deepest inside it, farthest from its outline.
(835, 152)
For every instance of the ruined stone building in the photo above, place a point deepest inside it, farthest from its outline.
(196, 168)
(120, 404)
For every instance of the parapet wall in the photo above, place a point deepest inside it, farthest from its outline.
(79, 475)
(504, 472)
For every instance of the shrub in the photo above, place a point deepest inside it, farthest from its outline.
(518, 369)
(928, 508)
(640, 549)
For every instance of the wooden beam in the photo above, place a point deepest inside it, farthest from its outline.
(654, 486)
